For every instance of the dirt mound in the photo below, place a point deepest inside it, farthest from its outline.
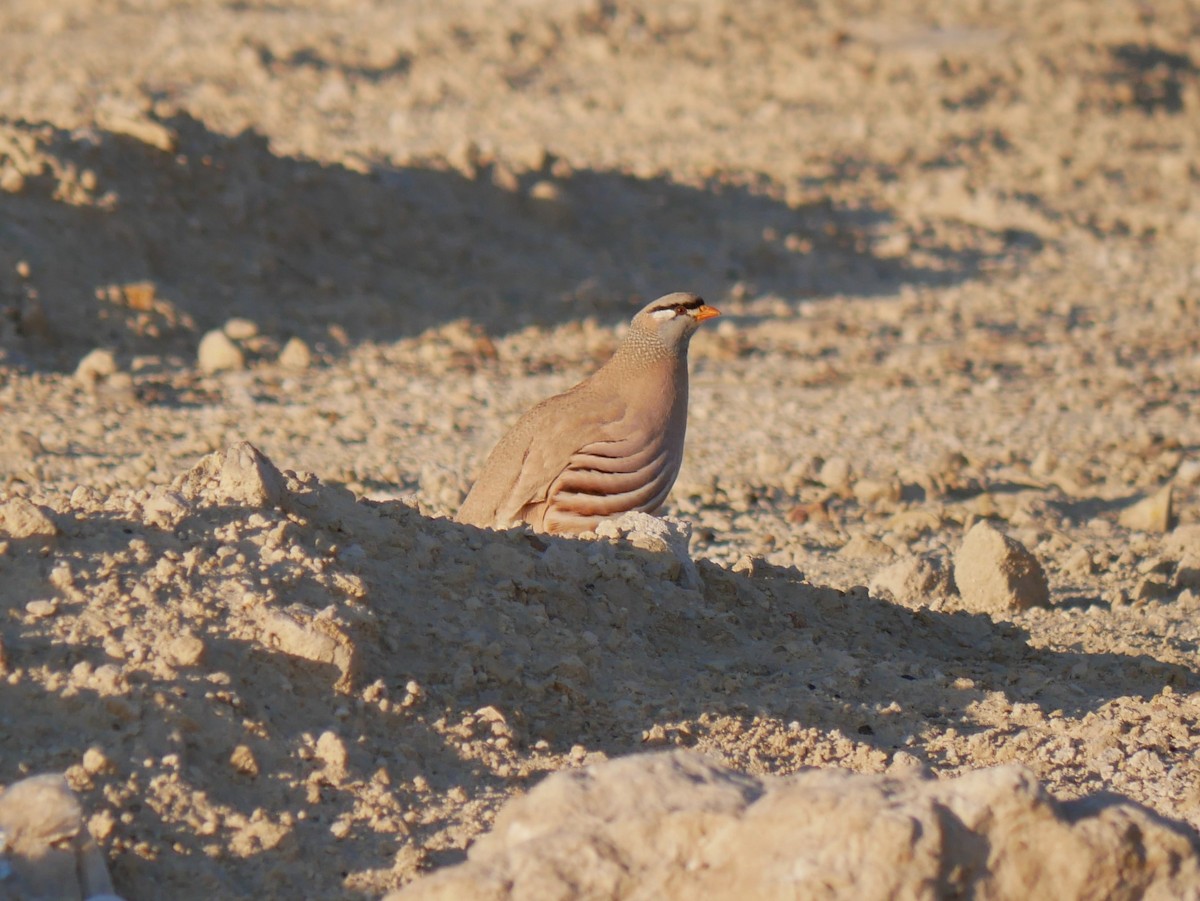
(264, 663)
(677, 826)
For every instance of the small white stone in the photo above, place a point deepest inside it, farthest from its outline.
(95, 760)
(185, 649)
(869, 492)
(331, 750)
(217, 353)
(243, 760)
(98, 364)
(295, 355)
(241, 329)
(1188, 472)
(836, 474)
(41, 609)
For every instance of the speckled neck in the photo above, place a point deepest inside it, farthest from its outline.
(643, 348)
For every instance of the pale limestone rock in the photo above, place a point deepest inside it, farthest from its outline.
(96, 761)
(300, 633)
(247, 476)
(676, 826)
(96, 365)
(1188, 472)
(864, 547)
(240, 329)
(331, 751)
(295, 355)
(997, 574)
(912, 581)
(122, 116)
(1187, 573)
(1183, 541)
(185, 649)
(44, 848)
(243, 760)
(659, 535)
(20, 518)
(835, 474)
(218, 353)
(873, 492)
(1151, 514)
(240, 474)
(41, 609)
(165, 508)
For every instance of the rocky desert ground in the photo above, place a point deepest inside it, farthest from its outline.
(276, 274)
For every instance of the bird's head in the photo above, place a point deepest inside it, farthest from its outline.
(673, 318)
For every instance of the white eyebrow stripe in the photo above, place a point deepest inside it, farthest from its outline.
(668, 313)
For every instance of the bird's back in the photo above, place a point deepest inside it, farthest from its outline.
(609, 445)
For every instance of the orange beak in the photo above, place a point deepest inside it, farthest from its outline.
(706, 312)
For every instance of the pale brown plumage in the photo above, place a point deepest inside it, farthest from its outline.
(611, 444)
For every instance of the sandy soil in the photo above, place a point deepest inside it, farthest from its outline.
(956, 249)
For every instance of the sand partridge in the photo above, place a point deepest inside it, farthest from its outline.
(611, 444)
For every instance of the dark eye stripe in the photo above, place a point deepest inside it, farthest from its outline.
(681, 307)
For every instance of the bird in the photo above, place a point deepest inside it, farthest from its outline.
(609, 445)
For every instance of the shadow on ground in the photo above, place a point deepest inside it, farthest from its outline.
(224, 226)
(570, 642)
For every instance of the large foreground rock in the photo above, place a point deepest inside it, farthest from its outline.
(45, 850)
(679, 826)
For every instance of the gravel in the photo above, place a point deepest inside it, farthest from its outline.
(954, 247)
